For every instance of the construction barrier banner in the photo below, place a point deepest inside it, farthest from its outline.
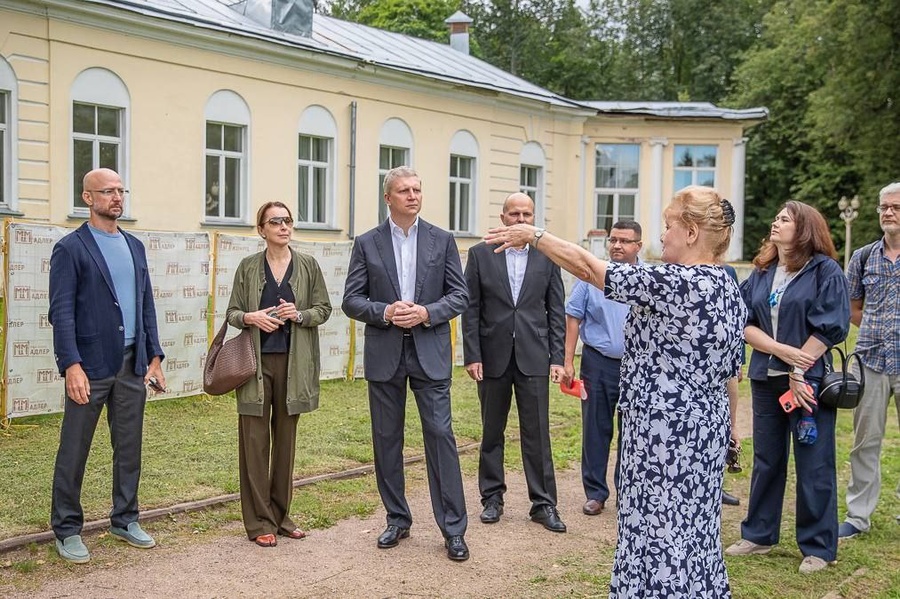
(179, 272)
(333, 259)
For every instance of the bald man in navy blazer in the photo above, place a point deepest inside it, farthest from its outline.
(405, 283)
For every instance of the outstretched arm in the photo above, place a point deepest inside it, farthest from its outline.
(569, 256)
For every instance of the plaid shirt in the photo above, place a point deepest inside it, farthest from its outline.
(879, 332)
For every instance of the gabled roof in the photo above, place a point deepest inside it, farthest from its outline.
(355, 42)
(679, 110)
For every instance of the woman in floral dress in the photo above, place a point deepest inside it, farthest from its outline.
(683, 341)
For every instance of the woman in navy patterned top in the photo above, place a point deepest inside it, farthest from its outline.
(683, 342)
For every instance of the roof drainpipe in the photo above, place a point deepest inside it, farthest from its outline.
(459, 31)
(351, 228)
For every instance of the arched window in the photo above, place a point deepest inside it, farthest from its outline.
(463, 181)
(9, 99)
(100, 105)
(317, 134)
(394, 149)
(226, 187)
(532, 163)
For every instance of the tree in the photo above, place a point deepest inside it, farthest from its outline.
(419, 18)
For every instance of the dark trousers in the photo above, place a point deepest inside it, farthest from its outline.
(124, 396)
(533, 405)
(387, 404)
(773, 434)
(601, 379)
(266, 455)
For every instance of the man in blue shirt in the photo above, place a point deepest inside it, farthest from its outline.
(874, 296)
(106, 345)
(600, 323)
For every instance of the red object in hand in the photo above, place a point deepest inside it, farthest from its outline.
(576, 390)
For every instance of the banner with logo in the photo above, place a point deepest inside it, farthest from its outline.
(179, 273)
(333, 258)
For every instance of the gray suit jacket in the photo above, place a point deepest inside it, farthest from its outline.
(537, 321)
(372, 284)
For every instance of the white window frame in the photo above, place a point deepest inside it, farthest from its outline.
(396, 136)
(615, 192)
(695, 171)
(227, 108)
(463, 146)
(99, 88)
(317, 122)
(9, 139)
(532, 157)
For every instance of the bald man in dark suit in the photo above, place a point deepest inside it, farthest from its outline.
(513, 334)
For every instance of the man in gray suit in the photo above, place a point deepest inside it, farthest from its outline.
(406, 284)
(513, 334)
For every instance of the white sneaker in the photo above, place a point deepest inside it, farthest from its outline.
(811, 564)
(745, 547)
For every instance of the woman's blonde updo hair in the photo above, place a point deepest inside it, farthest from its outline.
(706, 209)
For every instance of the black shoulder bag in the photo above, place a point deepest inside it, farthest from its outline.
(841, 389)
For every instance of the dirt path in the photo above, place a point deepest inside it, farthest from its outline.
(342, 561)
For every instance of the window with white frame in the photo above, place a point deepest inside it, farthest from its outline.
(463, 182)
(388, 157)
(315, 167)
(531, 177)
(616, 184)
(100, 103)
(4, 151)
(394, 149)
(226, 157)
(695, 165)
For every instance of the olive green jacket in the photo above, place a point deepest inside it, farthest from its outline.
(311, 299)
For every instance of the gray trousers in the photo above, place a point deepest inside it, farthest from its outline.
(124, 396)
(869, 422)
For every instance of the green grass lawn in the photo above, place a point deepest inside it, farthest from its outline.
(190, 452)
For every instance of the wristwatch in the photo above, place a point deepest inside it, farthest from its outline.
(537, 236)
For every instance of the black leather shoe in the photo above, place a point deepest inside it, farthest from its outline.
(391, 536)
(492, 512)
(729, 499)
(457, 550)
(549, 517)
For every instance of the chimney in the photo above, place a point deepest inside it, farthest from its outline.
(459, 31)
(288, 16)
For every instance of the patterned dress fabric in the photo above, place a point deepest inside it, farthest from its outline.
(683, 341)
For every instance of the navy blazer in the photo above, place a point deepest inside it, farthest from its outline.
(372, 283)
(816, 303)
(537, 321)
(84, 311)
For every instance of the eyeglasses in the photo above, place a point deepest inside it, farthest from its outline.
(615, 240)
(277, 221)
(882, 208)
(106, 193)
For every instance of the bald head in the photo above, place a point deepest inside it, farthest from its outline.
(92, 179)
(518, 208)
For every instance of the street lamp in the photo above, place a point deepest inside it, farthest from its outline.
(849, 211)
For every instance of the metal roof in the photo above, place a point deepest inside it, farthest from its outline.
(354, 42)
(679, 110)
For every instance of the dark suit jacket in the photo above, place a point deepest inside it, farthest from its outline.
(84, 311)
(373, 283)
(538, 319)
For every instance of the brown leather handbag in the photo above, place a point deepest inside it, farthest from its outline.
(229, 364)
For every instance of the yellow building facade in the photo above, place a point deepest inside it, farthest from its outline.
(207, 114)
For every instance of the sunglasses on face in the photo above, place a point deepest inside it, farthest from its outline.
(277, 221)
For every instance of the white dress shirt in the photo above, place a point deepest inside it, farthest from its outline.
(405, 253)
(516, 263)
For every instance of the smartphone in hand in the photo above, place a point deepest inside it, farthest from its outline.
(789, 403)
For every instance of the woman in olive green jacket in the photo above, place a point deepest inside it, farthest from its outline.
(281, 294)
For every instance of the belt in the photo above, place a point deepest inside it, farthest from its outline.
(407, 333)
